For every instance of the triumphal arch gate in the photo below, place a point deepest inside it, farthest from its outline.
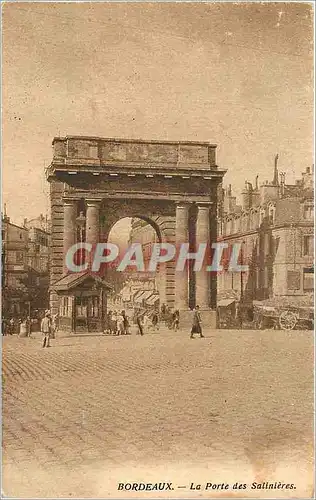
(171, 185)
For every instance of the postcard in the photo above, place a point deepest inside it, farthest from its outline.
(157, 250)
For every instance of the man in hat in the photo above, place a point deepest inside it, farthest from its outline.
(46, 326)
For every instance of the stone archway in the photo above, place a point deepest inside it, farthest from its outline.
(163, 181)
(135, 228)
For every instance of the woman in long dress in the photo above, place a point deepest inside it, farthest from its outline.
(197, 323)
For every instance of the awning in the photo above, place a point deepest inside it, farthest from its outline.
(152, 300)
(144, 295)
(225, 302)
(139, 298)
(137, 294)
(147, 294)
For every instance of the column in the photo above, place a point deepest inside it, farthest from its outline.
(181, 277)
(70, 214)
(203, 276)
(93, 221)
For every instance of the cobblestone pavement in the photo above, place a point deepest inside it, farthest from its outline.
(93, 411)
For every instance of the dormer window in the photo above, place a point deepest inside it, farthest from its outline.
(271, 214)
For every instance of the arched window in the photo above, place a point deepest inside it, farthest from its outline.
(271, 214)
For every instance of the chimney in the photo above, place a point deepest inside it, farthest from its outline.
(246, 196)
(256, 194)
(256, 182)
(275, 181)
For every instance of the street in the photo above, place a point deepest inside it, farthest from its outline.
(95, 411)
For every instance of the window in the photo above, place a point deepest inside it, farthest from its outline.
(308, 211)
(93, 151)
(81, 303)
(308, 279)
(271, 215)
(308, 245)
(95, 307)
(293, 280)
(267, 244)
(19, 258)
(65, 307)
(261, 217)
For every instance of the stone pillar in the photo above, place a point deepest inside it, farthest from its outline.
(181, 277)
(93, 221)
(70, 214)
(203, 276)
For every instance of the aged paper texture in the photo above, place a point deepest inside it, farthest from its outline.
(157, 250)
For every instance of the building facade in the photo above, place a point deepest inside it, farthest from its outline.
(275, 227)
(25, 261)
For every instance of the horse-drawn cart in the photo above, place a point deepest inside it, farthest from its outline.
(284, 313)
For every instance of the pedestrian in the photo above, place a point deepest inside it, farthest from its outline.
(114, 323)
(12, 326)
(46, 326)
(4, 326)
(176, 320)
(146, 323)
(108, 329)
(125, 323)
(54, 324)
(155, 321)
(28, 326)
(139, 323)
(197, 323)
(120, 324)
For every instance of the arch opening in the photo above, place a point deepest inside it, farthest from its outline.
(133, 290)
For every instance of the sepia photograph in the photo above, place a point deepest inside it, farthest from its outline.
(157, 237)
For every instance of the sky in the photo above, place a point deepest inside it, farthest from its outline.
(238, 75)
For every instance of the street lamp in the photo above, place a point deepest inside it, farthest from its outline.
(81, 222)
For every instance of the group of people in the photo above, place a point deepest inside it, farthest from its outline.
(117, 323)
(170, 317)
(146, 321)
(10, 326)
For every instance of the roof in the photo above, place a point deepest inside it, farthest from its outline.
(72, 280)
(134, 141)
